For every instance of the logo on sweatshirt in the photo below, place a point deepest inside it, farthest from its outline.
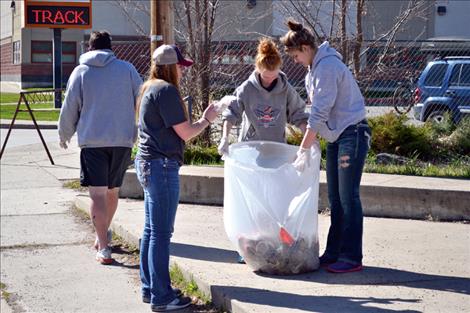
(266, 115)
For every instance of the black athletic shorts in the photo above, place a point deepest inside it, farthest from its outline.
(106, 166)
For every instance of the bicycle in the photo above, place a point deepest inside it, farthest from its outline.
(403, 96)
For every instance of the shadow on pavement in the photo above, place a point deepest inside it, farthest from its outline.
(370, 275)
(203, 253)
(311, 303)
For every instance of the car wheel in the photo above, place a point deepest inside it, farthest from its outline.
(437, 116)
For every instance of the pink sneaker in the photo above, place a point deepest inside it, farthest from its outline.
(344, 267)
(104, 256)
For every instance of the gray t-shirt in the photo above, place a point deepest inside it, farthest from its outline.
(160, 110)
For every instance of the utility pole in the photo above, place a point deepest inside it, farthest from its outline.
(161, 23)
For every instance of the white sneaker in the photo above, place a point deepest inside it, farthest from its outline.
(104, 256)
(109, 235)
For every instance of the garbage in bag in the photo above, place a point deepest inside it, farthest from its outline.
(270, 209)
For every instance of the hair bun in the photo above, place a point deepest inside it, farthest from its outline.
(294, 26)
(267, 47)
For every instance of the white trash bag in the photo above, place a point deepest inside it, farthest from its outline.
(270, 209)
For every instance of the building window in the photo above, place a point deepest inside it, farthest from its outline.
(69, 52)
(41, 52)
(16, 52)
(248, 59)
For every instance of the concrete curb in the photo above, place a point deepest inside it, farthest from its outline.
(27, 124)
(378, 199)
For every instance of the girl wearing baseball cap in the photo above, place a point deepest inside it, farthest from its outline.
(163, 129)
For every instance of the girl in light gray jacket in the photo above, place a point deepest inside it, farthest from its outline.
(338, 115)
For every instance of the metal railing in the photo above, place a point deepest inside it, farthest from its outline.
(28, 99)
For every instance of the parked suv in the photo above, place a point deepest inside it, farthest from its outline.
(444, 86)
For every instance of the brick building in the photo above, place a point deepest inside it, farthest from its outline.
(26, 53)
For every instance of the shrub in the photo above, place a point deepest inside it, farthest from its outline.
(459, 140)
(391, 134)
(197, 155)
(444, 128)
(295, 136)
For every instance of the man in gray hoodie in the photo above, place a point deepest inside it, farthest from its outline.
(100, 106)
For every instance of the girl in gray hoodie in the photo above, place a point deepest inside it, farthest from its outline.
(265, 102)
(338, 115)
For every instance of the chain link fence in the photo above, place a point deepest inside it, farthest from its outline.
(388, 77)
(424, 80)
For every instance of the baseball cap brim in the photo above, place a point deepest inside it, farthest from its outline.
(186, 62)
(182, 60)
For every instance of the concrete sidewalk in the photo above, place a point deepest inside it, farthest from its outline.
(410, 265)
(11, 87)
(27, 124)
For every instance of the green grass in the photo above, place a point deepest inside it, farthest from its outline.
(6, 97)
(11, 97)
(5, 294)
(75, 185)
(189, 287)
(457, 169)
(7, 111)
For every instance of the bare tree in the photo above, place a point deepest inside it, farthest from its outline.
(359, 37)
(198, 18)
(414, 9)
(332, 18)
(343, 38)
(350, 42)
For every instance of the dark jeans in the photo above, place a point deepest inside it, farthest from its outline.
(160, 181)
(344, 164)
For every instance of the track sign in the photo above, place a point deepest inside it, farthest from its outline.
(58, 14)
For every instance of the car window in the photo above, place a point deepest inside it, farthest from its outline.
(435, 75)
(460, 76)
(465, 75)
(455, 76)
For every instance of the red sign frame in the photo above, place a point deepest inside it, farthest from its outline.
(67, 14)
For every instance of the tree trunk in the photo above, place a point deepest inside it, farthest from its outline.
(359, 38)
(344, 44)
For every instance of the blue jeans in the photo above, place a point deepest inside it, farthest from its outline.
(344, 164)
(160, 181)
